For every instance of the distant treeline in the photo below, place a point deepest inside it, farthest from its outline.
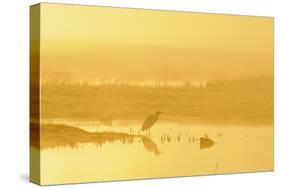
(242, 100)
(158, 83)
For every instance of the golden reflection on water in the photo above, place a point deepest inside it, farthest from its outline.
(122, 152)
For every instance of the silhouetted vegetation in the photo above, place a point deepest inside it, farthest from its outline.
(59, 135)
(206, 142)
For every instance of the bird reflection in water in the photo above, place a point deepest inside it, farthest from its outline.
(150, 145)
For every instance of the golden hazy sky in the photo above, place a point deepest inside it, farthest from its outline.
(89, 35)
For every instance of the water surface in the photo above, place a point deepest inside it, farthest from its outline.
(172, 149)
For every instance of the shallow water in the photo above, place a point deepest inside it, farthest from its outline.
(171, 149)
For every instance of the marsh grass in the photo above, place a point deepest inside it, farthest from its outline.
(247, 100)
(60, 135)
